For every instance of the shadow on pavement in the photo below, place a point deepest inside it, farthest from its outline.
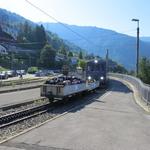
(118, 86)
(77, 103)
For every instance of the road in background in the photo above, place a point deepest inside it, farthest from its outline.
(30, 76)
(112, 121)
(18, 96)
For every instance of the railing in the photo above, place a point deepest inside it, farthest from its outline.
(143, 89)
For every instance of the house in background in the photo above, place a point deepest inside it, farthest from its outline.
(60, 57)
(3, 50)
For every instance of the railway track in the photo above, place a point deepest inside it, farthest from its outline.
(21, 115)
(11, 108)
(16, 118)
(20, 121)
(15, 113)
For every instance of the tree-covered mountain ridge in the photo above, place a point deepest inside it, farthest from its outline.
(28, 44)
(145, 38)
(14, 25)
(122, 48)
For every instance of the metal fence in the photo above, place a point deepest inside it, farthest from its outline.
(143, 89)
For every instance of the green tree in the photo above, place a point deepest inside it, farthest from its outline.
(47, 56)
(25, 33)
(40, 35)
(70, 54)
(63, 50)
(119, 69)
(2, 69)
(80, 55)
(32, 70)
(89, 56)
(29, 34)
(82, 64)
(144, 73)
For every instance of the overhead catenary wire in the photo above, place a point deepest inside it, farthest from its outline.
(50, 16)
(65, 26)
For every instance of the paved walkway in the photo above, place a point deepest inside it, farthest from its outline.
(110, 122)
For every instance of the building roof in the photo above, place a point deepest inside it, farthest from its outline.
(3, 50)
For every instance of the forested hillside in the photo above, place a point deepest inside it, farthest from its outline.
(30, 39)
(122, 48)
(29, 44)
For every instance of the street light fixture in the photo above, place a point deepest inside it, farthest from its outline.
(137, 53)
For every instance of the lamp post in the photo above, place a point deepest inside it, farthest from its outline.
(137, 46)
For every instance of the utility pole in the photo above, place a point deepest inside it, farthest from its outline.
(29, 55)
(107, 60)
(137, 47)
(12, 59)
(137, 65)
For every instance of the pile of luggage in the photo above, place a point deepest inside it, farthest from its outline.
(65, 80)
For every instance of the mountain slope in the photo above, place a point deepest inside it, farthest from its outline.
(122, 48)
(146, 39)
(12, 24)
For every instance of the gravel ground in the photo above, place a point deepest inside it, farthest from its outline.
(26, 124)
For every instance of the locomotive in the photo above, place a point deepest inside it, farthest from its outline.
(96, 69)
(63, 87)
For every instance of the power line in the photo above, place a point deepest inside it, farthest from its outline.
(44, 12)
(79, 35)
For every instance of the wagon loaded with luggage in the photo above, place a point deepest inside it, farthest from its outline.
(63, 87)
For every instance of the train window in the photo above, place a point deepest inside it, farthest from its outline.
(103, 67)
(97, 67)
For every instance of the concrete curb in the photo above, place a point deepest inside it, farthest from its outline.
(136, 96)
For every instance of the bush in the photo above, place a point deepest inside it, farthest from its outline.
(2, 69)
(82, 64)
(32, 70)
(144, 72)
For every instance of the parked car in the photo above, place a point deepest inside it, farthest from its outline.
(42, 73)
(20, 72)
(3, 75)
(50, 72)
(11, 73)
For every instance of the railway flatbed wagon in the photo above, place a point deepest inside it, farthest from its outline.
(59, 92)
(92, 85)
(63, 87)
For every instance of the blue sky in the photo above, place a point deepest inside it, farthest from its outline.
(110, 14)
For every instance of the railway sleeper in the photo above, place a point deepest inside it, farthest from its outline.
(8, 118)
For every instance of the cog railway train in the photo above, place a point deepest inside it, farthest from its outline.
(63, 87)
